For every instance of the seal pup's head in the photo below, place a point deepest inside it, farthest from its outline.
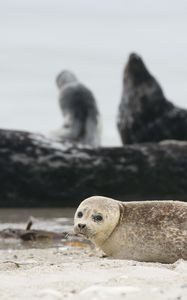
(96, 218)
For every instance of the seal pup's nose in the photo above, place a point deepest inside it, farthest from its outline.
(81, 226)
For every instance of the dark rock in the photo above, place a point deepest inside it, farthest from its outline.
(145, 115)
(34, 171)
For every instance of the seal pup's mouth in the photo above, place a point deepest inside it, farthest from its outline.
(86, 232)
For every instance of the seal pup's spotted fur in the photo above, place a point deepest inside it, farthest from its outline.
(150, 231)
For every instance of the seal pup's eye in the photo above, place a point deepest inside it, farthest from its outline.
(97, 218)
(80, 214)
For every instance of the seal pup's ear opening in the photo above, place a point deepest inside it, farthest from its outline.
(65, 77)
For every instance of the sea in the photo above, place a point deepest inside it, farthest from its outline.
(13, 222)
(92, 38)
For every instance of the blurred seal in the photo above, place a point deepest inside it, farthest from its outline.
(150, 231)
(81, 124)
(145, 115)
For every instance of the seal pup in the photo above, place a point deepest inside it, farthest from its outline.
(79, 109)
(145, 115)
(149, 231)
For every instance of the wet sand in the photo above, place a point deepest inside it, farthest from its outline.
(81, 273)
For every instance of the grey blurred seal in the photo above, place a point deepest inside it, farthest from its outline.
(149, 231)
(145, 115)
(81, 118)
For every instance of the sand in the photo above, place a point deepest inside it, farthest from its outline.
(77, 273)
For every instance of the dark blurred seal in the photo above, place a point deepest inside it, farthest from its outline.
(145, 115)
(81, 121)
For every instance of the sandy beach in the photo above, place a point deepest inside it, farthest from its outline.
(82, 273)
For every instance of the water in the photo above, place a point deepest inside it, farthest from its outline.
(92, 38)
(21, 215)
(57, 220)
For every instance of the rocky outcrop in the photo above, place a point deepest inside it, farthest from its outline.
(34, 171)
